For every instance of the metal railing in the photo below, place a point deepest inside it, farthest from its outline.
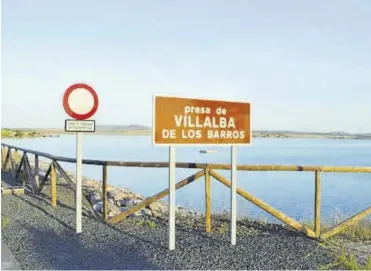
(11, 153)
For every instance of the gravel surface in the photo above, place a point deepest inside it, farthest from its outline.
(42, 237)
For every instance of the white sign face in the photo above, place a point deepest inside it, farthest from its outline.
(81, 101)
(80, 126)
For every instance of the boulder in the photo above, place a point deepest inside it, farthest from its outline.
(158, 208)
(120, 203)
(137, 201)
(137, 196)
(118, 194)
(181, 211)
(91, 184)
(146, 212)
(94, 197)
(98, 207)
(142, 212)
(128, 203)
(111, 194)
(113, 209)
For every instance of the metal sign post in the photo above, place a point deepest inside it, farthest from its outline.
(78, 182)
(80, 101)
(233, 194)
(172, 202)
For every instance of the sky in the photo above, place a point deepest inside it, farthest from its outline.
(303, 65)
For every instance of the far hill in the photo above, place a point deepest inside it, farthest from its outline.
(141, 130)
(116, 128)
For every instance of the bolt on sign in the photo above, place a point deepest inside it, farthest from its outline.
(183, 121)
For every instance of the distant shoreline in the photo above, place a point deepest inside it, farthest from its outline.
(35, 133)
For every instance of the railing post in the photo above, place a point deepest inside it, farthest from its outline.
(2, 156)
(317, 204)
(104, 193)
(6, 159)
(207, 199)
(53, 181)
(24, 171)
(16, 156)
(36, 175)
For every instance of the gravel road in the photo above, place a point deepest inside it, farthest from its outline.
(42, 237)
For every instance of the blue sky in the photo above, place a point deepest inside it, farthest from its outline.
(304, 65)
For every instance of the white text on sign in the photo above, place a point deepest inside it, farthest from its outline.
(197, 121)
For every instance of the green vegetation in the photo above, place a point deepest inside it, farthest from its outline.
(341, 244)
(360, 231)
(348, 261)
(10, 133)
(5, 222)
(151, 224)
(146, 223)
(223, 228)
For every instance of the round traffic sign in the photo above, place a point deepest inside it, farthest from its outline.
(80, 101)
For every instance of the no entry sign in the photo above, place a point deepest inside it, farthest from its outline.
(80, 101)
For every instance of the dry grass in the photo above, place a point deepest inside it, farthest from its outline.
(348, 261)
(359, 231)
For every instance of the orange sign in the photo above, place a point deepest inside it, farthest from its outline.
(182, 121)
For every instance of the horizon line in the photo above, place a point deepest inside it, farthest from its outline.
(150, 128)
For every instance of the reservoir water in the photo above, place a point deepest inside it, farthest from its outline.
(343, 194)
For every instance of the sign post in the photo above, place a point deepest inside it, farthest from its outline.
(181, 121)
(172, 202)
(80, 102)
(233, 195)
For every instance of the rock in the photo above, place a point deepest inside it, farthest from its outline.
(94, 197)
(142, 212)
(125, 190)
(98, 207)
(88, 212)
(146, 212)
(118, 194)
(111, 214)
(137, 196)
(91, 184)
(121, 203)
(181, 211)
(158, 208)
(111, 194)
(137, 201)
(129, 203)
(113, 209)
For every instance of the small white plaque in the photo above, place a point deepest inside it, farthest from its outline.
(79, 126)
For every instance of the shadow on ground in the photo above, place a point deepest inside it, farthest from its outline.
(68, 250)
(7, 179)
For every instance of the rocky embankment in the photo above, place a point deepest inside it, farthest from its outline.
(118, 199)
(121, 199)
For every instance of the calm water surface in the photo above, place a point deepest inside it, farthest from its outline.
(290, 192)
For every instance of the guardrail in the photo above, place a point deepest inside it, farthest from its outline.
(11, 153)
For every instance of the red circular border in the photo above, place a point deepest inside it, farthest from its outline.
(67, 107)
